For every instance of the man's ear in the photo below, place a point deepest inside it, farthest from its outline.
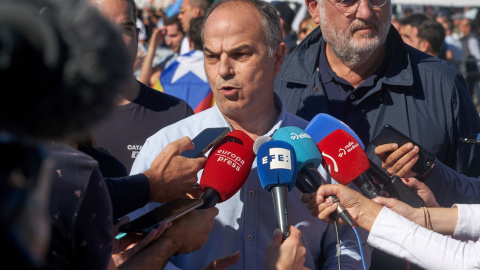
(312, 6)
(424, 46)
(197, 12)
(279, 56)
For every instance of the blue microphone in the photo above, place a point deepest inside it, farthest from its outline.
(308, 160)
(277, 170)
(323, 124)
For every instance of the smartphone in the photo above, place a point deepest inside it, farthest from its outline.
(389, 134)
(472, 138)
(206, 140)
(164, 213)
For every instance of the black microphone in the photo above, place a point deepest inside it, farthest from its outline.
(395, 186)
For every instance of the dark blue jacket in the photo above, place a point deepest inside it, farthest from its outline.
(420, 95)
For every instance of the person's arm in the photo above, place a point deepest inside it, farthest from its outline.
(289, 254)
(157, 38)
(185, 235)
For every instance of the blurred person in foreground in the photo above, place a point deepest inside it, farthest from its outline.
(242, 43)
(418, 235)
(71, 56)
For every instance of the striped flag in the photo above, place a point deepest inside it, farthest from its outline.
(185, 78)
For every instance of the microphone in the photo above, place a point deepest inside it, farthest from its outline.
(308, 159)
(277, 170)
(346, 161)
(323, 124)
(227, 169)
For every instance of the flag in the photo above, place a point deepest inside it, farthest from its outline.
(186, 79)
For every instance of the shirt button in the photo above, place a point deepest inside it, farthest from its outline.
(250, 237)
(315, 89)
(251, 193)
(352, 96)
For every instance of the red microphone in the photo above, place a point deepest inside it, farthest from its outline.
(227, 168)
(345, 160)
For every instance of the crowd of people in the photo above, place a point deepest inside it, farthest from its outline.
(98, 109)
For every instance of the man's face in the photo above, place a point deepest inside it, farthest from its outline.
(173, 37)
(121, 14)
(410, 35)
(237, 64)
(354, 36)
(187, 12)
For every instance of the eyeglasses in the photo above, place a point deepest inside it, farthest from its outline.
(351, 6)
(183, 10)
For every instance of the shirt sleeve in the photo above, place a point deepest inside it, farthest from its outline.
(468, 227)
(128, 193)
(452, 187)
(404, 239)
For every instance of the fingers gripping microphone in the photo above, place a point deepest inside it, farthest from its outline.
(277, 170)
(308, 159)
(346, 161)
(227, 169)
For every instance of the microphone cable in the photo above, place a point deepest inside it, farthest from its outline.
(339, 249)
(360, 247)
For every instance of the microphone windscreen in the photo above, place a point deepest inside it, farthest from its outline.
(227, 169)
(276, 165)
(259, 141)
(323, 124)
(343, 156)
(305, 148)
(235, 136)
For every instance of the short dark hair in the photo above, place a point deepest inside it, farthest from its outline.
(195, 32)
(432, 32)
(202, 4)
(174, 20)
(62, 63)
(414, 20)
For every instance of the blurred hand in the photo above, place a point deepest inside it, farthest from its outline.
(129, 245)
(190, 232)
(362, 210)
(171, 175)
(224, 262)
(139, 60)
(398, 161)
(287, 255)
(158, 37)
(423, 191)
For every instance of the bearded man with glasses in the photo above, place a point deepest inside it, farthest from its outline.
(358, 69)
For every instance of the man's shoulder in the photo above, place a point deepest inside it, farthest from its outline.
(428, 63)
(154, 97)
(293, 120)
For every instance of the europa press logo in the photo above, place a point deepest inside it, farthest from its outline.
(230, 159)
(295, 136)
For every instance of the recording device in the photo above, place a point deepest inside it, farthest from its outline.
(389, 134)
(472, 138)
(308, 159)
(346, 161)
(395, 187)
(163, 213)
(206, 140)
(227, 168)
(277, 170)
